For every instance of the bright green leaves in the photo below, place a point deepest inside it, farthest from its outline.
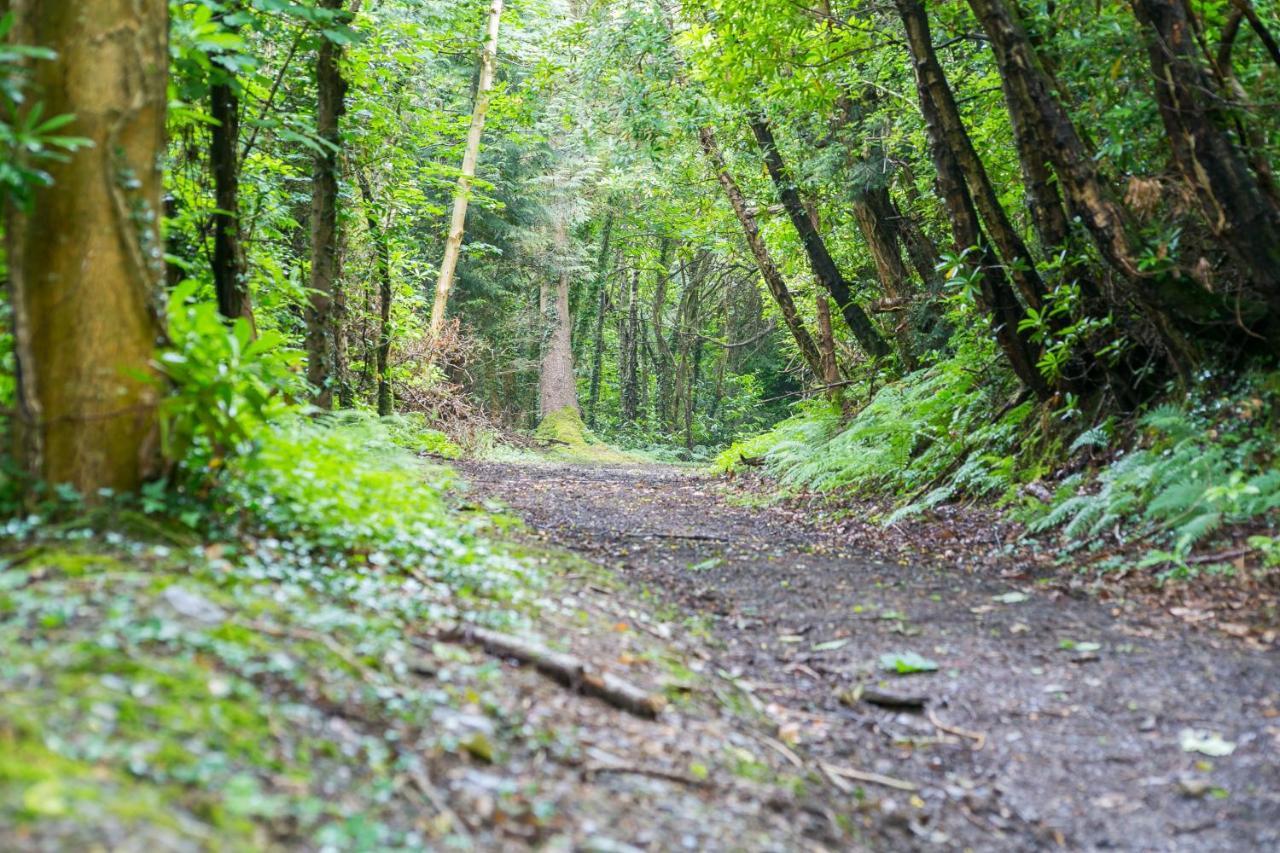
(224, 384)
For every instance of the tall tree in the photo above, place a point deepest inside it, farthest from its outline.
(557, 386)
(764, 258)
(462, 198)
(86, 260)
(330, 106)
(824, 266)
(937, 103)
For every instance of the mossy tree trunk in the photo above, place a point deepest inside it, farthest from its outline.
(86, 260)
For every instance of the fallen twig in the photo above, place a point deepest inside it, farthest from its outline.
(870, 778)
(979, 739)
(564, 668)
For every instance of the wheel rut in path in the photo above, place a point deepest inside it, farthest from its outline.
(1051, 723)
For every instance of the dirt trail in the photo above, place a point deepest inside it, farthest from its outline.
(1051, 723)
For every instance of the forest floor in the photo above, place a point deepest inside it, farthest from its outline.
(1052, 718)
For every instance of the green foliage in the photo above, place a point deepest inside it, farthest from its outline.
(939, 434)
(223, 383)
(28, 138)
(1199, 467)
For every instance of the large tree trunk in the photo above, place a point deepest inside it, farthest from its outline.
(383, 254)
(1234, 205)
(824, 266)
(229, 271)
(470, 157)
(997, 297)
(764, 260)
(86, 261)
(557, 386)
(321, 342)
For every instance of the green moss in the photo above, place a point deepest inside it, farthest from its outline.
(568, 439)
(69, 563)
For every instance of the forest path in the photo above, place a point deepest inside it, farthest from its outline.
(1051, 723)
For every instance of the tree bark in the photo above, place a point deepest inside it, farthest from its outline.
(1233, 203)
(1020, 265)
(824, 266)
(229, 270)
(764, 260)
(320, 339)
(557, 382)
(86, 261)
(470, 157)
(996, 296)
(383, 259)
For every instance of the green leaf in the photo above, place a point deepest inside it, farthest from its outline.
(905, 663)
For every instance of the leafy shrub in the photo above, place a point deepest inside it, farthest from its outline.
(224, 384)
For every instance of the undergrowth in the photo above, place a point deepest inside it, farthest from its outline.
(253, 682)
(1191, 473)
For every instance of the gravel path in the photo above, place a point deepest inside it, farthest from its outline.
(1051, 722)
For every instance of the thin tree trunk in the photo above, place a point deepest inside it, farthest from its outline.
(997, 297)
(827, 343)
(874, 211)
(764, 260)
(85, 262)
(597, 354)
(229, 270)
(663, 362)
(462, 198)
(376, 231)
(629, 352)
(320, 341)
(824, 266)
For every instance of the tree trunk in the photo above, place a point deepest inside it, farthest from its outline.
(383, 250)
(557, 385)
(664, 362)
(824, 266)
(462, 198)
(597, 353)
(764, 260)
(1020, 264)
(629, 352)
(85, 262)
(874, 211)
(1233, 203)
(320, 341)
(229, 271)
(996, 296)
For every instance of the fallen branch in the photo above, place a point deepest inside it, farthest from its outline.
(566, 669)
(869, 778)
